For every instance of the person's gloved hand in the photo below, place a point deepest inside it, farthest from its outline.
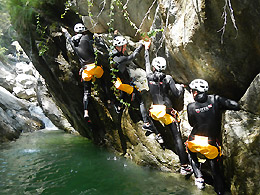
(64, 30)
(147, 44)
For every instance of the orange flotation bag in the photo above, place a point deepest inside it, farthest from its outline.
(158, 113)
(200, 144)
(92, 71)
(123, 87)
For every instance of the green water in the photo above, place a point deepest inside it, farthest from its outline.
(52, 162)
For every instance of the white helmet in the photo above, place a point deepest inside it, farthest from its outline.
(119, 41)
(200, 85)
(79, 28)
(159, 63)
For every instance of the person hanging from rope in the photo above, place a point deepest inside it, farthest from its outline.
(82, 43)
(204, 116)
(124, 82)
(160, 86)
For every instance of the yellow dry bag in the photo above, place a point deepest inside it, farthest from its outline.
(158, 113)
(200, 144)
(92, 71)
(123, 87)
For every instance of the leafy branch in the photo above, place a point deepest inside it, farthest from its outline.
(42, 32)
(67, 8)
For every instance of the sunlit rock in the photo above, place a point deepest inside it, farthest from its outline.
(15, 117)
(241, 142)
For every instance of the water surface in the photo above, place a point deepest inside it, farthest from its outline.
(53, 162)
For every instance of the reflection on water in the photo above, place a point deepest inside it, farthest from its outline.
(52, 162)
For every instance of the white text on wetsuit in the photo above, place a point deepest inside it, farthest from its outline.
(203, 109)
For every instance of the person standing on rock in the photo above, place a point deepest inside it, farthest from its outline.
(124, 82)
(82, 43)
(160, 85)
(204, 115)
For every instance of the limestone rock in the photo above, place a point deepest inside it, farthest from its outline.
(193, 47)
(51, 110)
(15, 117)
(242, 143)
(19, 105)
(250, 100)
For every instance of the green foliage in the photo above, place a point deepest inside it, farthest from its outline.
(22, 13)
(152, 33)
(67, 8)
(30, 16)
(2, 54)
(6, 31)
(4, 18)
(41, 30)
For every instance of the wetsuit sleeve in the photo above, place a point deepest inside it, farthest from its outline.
(175, 91)
(190, 117)
(147, 63)
(68, 37)
(121, 61)
(100, 44)
(134, 54)
(227, 104)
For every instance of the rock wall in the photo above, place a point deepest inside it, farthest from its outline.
(241, 131)
(193, 47)
(192, 38)
(23, 96)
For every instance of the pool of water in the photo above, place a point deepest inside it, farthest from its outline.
(53, 162)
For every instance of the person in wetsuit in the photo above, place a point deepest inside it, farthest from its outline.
(204, 115)
(82, 44)
(160, 86)
(124, 82)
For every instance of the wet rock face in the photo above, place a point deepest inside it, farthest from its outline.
(195, 40)
(190, 42)
(193, 49)
(241, 141)
(17, 85)
(24, 97)
(15, 117)
(250, 100)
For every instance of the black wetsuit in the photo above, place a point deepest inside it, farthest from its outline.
(120, 62)
(160, 86)
(82, 44)
(204, 116)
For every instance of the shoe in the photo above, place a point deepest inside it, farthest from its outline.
(199, 182)
(186, 170)
(147, 126)
(86, 114)
(159, 139)
(118, 109)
